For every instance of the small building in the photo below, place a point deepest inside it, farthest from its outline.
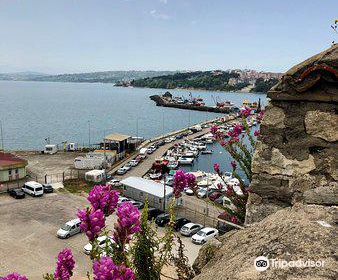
(139, 188)
(12, 167)
(118, 143)
(50, 149)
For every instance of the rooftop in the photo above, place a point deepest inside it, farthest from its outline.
(116, 137)
(8, 160)
(147, 186)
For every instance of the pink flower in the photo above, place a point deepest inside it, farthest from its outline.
(260, 116)
(256, 132)
(65, 265)
(229, 190)
(234, 219)
(105, 269)
(216, 167)
(103, 198)
(233, 164)
(220, 186)
(14, 276)
(236, 131)
(245, 112)
(128, 223)
(92, 222)
(214, 129)
(181, 181)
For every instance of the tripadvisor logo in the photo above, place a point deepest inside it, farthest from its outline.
(261, 263)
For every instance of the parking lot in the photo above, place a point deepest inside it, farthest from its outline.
(28, 239)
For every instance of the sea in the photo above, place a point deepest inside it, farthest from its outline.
(31, 112)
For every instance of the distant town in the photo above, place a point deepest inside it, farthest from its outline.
(223, 80)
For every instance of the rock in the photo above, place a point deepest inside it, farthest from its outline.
(274, 116)
(323, 195)
(279, 164)
(301, 232)
(322, 124)
(205, 254)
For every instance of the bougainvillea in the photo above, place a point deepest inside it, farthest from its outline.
(128, 222)
(181, 181)
(105, 269)
(14, 276)
(65, 265)
(92, 222)
(103, 198)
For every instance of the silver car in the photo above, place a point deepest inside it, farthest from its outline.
(190, 229)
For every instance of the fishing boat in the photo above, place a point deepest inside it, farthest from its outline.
(173, 164)
(207, 152)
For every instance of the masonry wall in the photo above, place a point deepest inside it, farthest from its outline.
(295, 160)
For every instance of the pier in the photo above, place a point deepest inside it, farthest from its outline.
(161, 100)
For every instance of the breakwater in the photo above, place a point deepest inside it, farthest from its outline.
(160, 101)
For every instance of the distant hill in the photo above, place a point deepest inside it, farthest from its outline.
(94, 77)
(218, 80)
(21, 76)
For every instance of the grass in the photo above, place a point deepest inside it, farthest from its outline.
(78, 186)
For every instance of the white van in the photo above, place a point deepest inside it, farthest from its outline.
(70, 228)
(33, 188)
(143, 153)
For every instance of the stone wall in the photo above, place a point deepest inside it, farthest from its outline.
(296, 154)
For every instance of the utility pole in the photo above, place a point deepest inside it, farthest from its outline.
(89, 135)
(2, 137)
(163, 124)
(136, 132)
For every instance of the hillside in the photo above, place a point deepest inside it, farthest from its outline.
(93, 77)
(206, 80)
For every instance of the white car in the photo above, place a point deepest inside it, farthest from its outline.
(101, 242)
(114, 183)
(204, 235)
(190, 229)
(188, 191)
(168, 140)
(133, 162)
(123, 199)
(122, 170)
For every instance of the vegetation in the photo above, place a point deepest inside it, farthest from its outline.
(262, 85)
(207, 80)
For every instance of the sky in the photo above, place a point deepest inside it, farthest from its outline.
(72, 36)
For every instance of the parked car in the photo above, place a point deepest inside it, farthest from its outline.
(123, 199)
(17, 193)
(114, 183)
(150, 150)
(33, 188)
(167, 140)
(153, 213)
(220, 200)
(190, 229)
(133, 162)
(179, 136)
(202, 193)
(162, 219)
(188, 191)
(204, 235)
(180, 222)
(70, 228)
(127, 166)
(122, 170)
(102, 241)
(138, 204)
(47, 188)
(215, 195)
(161, 143)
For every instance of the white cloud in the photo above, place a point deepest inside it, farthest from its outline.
(157, 15)
(163, 1)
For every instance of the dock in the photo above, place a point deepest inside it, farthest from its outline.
(160, 100)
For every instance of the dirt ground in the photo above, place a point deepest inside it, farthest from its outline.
(28, 239)
(41, 164)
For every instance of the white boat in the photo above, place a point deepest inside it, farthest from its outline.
(206, 152)
(173, 164)
(201, 147)
(185, 160)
